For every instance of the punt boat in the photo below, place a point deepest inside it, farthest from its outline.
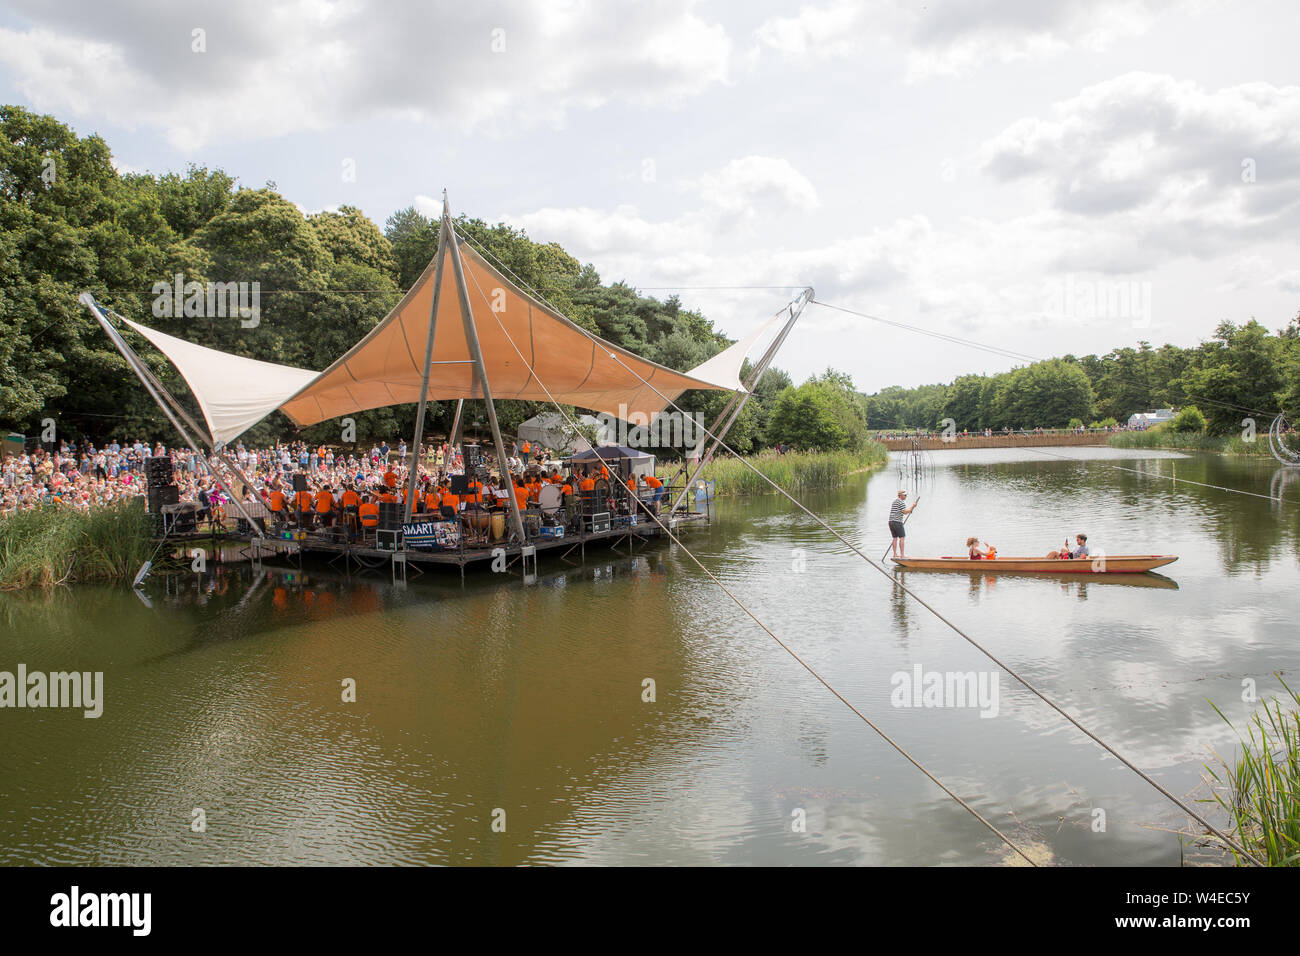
(1096, 564)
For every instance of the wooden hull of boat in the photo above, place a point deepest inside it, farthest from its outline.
(1110, 564)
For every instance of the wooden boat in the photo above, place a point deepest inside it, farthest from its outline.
(1110, 564)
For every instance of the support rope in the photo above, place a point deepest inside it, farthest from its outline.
(1228, 841)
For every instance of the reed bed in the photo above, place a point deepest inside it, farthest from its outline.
(54, 545)
(1260, 790)
(1192, 441)
(792, 471)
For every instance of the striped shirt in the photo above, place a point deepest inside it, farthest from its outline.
(896, 509)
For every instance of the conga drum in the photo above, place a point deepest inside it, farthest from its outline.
(477, 519)
(498, 525)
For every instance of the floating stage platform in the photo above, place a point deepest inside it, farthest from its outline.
(363, 553)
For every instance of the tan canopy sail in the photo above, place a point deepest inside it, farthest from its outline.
(529, 352)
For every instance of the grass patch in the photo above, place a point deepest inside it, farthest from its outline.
(792, 471)
(1261, 789)
(1192, 441)
(54, 545)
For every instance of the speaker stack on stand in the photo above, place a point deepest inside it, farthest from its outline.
(160, 488)
(389, 536)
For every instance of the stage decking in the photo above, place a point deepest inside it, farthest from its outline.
(366, 556)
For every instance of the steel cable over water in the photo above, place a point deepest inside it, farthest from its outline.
(1228, 841)
(741, 604)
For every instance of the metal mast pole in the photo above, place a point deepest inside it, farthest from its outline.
(796, 309)
(476, 354)
(179, 409)
(144, 375)
(428, 364)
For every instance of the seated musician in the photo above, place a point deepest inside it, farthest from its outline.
(275, 502)
(368, 513)
(325, 507)
(450, 502)
(303, 502)
(432, 499)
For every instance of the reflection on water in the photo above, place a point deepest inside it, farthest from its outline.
(626, 711)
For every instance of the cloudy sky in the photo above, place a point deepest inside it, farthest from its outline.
(1043, 177)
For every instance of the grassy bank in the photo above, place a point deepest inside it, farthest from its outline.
(57, 545)
(1261, 789)
(1192, 441)
(792, 471)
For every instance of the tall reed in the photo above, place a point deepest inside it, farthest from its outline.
(792, 471)
(1260, 790)
(54, 544)
(1191, 441)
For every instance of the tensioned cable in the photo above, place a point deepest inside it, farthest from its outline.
(993, 348)
(957, 630)
(739, 603)
(1139, 471)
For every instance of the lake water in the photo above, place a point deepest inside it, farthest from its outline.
(524, 706)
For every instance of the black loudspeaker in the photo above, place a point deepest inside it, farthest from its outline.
(158, 471)
(459, 485)
(163, 495)
(390, 515)
(299, 482)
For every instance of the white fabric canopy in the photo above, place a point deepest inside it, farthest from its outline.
(233, 392)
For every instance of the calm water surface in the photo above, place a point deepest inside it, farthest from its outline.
(226, 694)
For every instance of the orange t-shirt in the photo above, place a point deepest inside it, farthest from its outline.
(304, 500)
(351, 499)
(587, 484)
(653, 482)
(521, 496)
(324, 502)
(369, 514)
(277, 501)
(432, 500)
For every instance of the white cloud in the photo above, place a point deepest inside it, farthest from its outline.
(956, 38)
(1178, 168)
(272, 69)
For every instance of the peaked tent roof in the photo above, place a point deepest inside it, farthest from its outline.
(234, 393)
(528, 349)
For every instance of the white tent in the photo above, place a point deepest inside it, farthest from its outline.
(552, 431)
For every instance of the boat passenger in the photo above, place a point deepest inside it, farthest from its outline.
(1079, 552)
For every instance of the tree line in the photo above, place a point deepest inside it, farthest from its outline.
(1241, 372)
(70, 222)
